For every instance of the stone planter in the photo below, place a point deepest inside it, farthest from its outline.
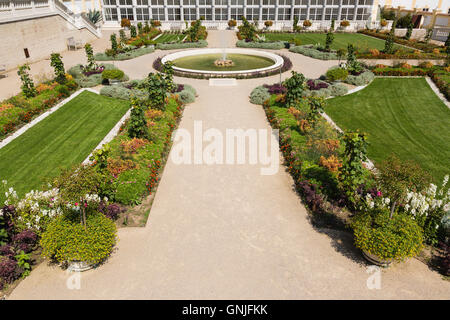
(79, 266)
(372, 258)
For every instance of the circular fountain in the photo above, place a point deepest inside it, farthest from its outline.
(232, 62)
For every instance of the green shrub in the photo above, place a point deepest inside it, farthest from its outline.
(312, 52)
(190, 88)
(334, 74)
(322, 93)
(67, 240)
(259, 95)
(338, 89)
(186, 96)
(182, 45)
(88, 82)
(62, 90)
(360, 80)
(117, 91)
(397, 238)
(131, 186)
(263, 45)
(134, 53)
(113, 74)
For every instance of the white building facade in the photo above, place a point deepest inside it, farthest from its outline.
(216, 13)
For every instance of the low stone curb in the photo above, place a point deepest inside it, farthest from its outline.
(22, 130)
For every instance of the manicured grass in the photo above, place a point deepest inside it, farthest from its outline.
(401, 116)
(341, 40)
(64, 138)
(168, 37)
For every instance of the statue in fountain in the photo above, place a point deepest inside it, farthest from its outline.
(223, 63)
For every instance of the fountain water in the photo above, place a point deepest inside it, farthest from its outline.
(223, 62)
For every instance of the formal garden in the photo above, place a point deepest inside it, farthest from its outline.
(332, 44)
(60, 199)
(368, 161)
(81, 154)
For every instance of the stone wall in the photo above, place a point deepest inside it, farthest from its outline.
(41, 36)
(417, 34)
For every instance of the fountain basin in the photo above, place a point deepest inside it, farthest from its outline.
(201, 62)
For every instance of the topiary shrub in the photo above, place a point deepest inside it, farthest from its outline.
(67, 240)
(334, 74)
(115, 74)
(186, 96)
(397, 238)
(259, 95)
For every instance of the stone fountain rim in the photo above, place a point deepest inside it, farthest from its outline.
(278, 60)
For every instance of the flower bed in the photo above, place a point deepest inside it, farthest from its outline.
(19, 110)
(121, 173)
(182, 45)
(134, 52)
(278, 45)
(313, 52)
(427, 47)
(91, 78)
(328, 171)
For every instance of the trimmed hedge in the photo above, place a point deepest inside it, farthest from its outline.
(182, 45)
(126, 55)
(311, 51)
(262, 45)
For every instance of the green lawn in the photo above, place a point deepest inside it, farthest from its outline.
(64, 138)
(401, 116)
(168, 37)
(341, 40)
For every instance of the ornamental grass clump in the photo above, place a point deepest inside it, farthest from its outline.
(259, 95)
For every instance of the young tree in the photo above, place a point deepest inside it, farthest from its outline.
(352, 170)
(90, 57)
(113, 39)
(409, 31)
(329, 41)
(133, 32)
(137, 127)
(295, 87)
(157, 90)
(58, 66)
(168, 76)
(389, 43)
(397, 177)
(27, 87)
(316, 106)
